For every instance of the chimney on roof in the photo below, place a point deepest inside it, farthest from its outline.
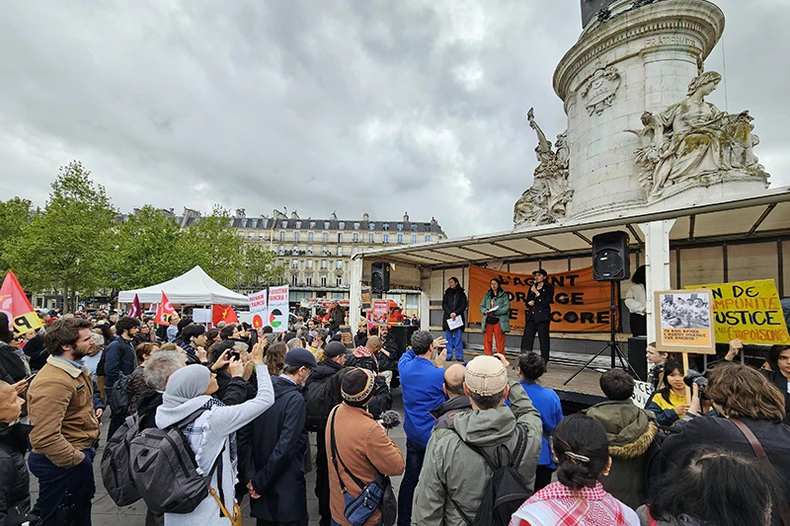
(405, 217)
(294, 215)
(334, 215)
(434, 221)
(240, 212)
(365, 217)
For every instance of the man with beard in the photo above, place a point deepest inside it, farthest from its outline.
(65, 427)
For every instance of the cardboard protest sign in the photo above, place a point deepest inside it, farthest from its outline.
(15, 304)
(258, 308)
(749, 311)
(581, 304)
(642, 393)
(684, 321)
(278, 308)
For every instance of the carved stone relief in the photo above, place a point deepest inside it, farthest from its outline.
(601, 90)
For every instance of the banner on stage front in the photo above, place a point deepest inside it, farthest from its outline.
(581, 304)
(21, 316)
(278, 308)
(749, 311)
(258, 308)
(684, 321)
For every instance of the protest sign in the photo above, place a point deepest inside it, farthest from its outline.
(381, 312)
(749, 311)
(581, 304)
(684, 321)
(258, 308)
(21, 316)
(201, 315)
(642, 393)
(278, 308)
(164, 311)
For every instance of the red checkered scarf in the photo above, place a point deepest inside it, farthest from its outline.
(556, 504)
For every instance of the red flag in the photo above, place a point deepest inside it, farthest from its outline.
(223, 313)
(21, 316)
(164, 312)
(137, 310)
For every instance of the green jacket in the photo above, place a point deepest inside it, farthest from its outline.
(451, 470)
(630, 431)
(502, 312)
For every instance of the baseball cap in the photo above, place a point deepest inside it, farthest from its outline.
(485, 376)
(334, 349)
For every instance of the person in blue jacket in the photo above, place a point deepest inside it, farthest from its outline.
(531, 367)
(421, 385)
(119, 359)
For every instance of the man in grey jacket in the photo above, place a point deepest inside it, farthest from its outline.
(451, 474)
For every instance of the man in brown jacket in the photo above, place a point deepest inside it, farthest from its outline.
(65, 427)
(361, 442)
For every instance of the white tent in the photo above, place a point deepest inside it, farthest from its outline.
(193, 288)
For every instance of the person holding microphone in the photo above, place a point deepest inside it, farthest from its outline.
(539, 300)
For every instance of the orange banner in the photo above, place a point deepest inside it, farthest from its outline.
(581, 304)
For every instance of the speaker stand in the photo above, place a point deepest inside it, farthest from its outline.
(612, 346)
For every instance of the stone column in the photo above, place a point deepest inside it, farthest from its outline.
(355, 293)
(656, 265)
(642, 59)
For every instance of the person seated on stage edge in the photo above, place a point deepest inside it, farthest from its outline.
(669, 403)
(495, 309)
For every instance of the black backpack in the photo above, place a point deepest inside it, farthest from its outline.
(506, 490)
(116, 470)
(319, 401)
(119, 394)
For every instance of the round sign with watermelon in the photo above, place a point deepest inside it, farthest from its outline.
(257, 321)
(274, 318)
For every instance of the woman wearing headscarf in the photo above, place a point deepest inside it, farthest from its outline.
(212, 434)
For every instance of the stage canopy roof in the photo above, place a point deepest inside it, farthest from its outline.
(753, 217)
(192, 288)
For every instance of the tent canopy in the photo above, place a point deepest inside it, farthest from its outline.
(192, 288)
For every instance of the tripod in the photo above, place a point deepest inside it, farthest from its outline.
(611, 345)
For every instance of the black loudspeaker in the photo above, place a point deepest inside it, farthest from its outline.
(610, 257)
(637, 356)
(380, 276)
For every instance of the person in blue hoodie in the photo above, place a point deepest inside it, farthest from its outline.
(422, 387)
(531, 367)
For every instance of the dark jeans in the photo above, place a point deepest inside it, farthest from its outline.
(638, 324)
(64, 493)
(322, 479)
(540, 328)
(415, 455)
(543, 477)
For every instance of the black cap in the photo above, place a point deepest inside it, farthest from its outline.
(299, 357)
(334, 349)
(541, 271)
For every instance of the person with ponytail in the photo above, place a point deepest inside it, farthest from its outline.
(581, 452)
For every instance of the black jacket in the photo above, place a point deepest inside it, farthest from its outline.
(337, 316)
(454, 301)
(14, 477)
(35, 351)
(779, 380)
(279, 457)
(720, 432)
(325, 372)
(360, 339)
(233, 391)
(541, 311)
(444, 413)
(119, 359)
(12, 367)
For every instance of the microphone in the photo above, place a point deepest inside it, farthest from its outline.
(390, 419)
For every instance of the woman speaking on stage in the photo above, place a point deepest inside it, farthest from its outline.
(539, 300)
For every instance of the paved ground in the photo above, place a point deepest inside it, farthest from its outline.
(106, 513)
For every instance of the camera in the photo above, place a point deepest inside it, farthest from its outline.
(694, 377)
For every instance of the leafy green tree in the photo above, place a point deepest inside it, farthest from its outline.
(67, 247)
(259, 270)
(14, 215)
(146, 249)
(212, 243)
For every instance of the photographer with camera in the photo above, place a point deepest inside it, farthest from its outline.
(752, 410)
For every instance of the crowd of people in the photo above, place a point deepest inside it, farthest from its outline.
(483, 446)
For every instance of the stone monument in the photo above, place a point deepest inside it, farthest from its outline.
(640, 133)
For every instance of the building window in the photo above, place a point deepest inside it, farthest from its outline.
(295, 250)
(251, 236)
(323, 281)
(356, 226)
(284, 224)
(371, 238)
(413, 227)
(298, 224)
(385, 226)
(294, 280)
(323, 263)
(281, 250)
(312, 224)
(386, 238)
(339, 251)
(339, 281)
(339, 238)
(296, 236)
(339, 265)
(254, 223)
(309, 264)
(356, 237)
(326, 225)
(372, 225)
(295, 263)
(261, 236)
(243, 223)
(341, 225)
(400, 239)
(309, 281)
(413, 238)
(310, 237)
(324, 251)
(354, 250)
(310, 250)
(427, 238)
(282, 236)
(400, 227)
(241, 235)
(326, 237)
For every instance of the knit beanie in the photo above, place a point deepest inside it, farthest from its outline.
(185, 384)
(358, 387)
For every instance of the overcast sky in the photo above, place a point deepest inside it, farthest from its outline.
(355, 106)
